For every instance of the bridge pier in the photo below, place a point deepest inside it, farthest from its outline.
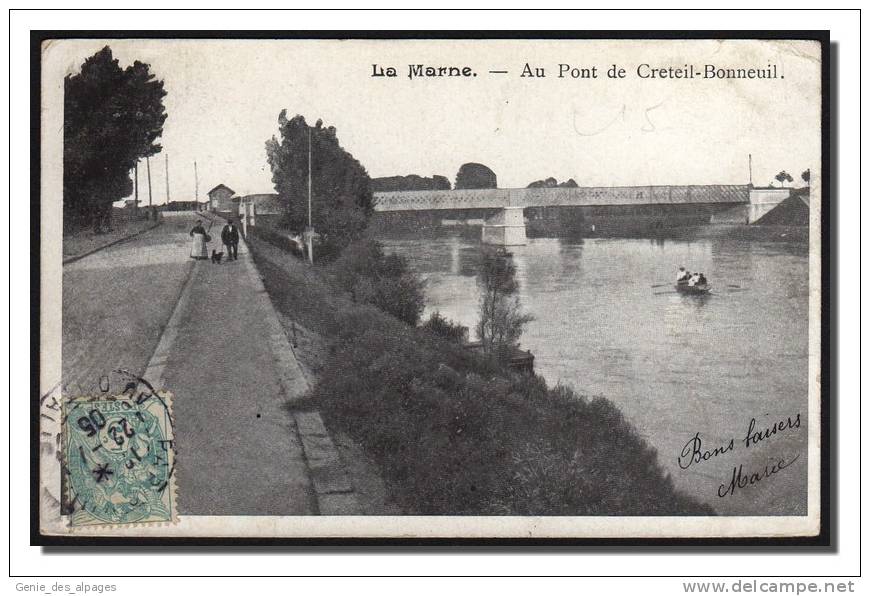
(506, 228)
(763, 200)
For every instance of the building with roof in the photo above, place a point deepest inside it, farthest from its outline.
(264, 210)
(220, 199)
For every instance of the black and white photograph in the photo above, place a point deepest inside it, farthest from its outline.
(548, 286)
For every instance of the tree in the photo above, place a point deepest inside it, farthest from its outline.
(545, 183)
(501, 320)
(805, 176)
(553, 183)
(112, 118)
(341, 200)
(410, 182)
(475, 175)
(783, 177)
(441, 182)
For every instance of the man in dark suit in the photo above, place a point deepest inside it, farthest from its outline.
(230, 238)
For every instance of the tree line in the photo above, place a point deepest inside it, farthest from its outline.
(784, 177)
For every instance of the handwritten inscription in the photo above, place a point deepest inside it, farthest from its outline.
(740, 479)
(753, 436)
(695, 452)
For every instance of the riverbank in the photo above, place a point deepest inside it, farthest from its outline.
(759, 233)
(546, 229)
(453, 433)
(607, 322)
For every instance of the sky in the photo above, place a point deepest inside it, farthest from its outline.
(224, 97)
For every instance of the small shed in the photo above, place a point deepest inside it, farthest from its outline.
(220, 198)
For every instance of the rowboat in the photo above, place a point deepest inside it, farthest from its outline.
(683, 287)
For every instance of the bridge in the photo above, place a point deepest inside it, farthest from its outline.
(509, 209)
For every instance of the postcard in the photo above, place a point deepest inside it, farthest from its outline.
(456, 286)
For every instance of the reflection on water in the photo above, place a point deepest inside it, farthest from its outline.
(675, 364)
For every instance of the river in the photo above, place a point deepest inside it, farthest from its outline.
(675, 365)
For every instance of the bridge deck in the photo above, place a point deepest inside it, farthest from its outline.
(489, 198)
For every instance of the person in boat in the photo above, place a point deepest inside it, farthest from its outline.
(694, 280)
(683, 275)
(702, 280)
(198, 248)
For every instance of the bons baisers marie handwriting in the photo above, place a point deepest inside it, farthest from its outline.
(694, 453)
(570, 71)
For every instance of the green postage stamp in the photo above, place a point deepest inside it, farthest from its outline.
(118, 460)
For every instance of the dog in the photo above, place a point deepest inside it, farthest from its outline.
(216, 256)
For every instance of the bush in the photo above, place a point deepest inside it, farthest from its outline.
(445, 328)
(276, 238)
(386, 281)
(455, 434)
(451, 430)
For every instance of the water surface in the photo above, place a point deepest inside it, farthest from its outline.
(676, 365)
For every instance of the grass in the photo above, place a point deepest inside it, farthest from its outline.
(453, 432)
(79, 241)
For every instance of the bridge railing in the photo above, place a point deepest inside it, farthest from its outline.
(488, 198)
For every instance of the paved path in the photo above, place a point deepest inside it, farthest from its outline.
(239, 452)
(238, 449)
(117, 301)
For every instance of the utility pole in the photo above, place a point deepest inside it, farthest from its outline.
(196, 185)
(148, 165)
(310, 227)
(309, 177)
(136, 187)
(167, 178)
(750, 169)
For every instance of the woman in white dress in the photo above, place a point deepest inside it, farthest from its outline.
(198, 249)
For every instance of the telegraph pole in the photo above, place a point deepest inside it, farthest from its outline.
(196, 185)
(136, 187)
(310, 227)
(167, 178)
(750, 169)
(148, 165)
